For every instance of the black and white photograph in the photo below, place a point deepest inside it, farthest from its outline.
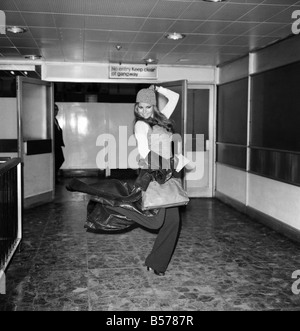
(150, 158)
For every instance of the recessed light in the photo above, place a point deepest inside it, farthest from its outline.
(174, 36)
(150, 61)
(33, 57)
(214, 0)
(16, 29)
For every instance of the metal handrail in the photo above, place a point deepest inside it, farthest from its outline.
(8, 165)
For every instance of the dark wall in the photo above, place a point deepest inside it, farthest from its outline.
(103, 92)
(276, 108)
(232, 123)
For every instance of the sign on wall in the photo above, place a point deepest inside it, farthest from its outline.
(132, 71)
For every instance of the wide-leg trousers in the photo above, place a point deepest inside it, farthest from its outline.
(167, 221)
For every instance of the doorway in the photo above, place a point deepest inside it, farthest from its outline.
(200, 137)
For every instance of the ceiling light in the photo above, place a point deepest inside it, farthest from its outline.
(16, 29)
(214, 0)
(12, 72)
(150, 60)
(118, 47)
(175, 36)
(33, 57)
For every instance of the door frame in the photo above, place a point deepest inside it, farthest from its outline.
(212, 133)
(50, 104)
(184, 87)
(40, 197)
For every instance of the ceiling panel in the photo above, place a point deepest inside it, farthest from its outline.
(169, 9)
(66, 6)
(156, 25)
(232, 12)
(201, 10)
(33, 19)
(148, 37)
(8, 5)
(281, 32)
(262, 13)
(253, 42)
(113, 23)
(8, 52)
(183, 48)
(284, 16)
(5, 42)
(47, 33)
(34, 6)
(194, 39)
(96, 35)
(132, 8)
(162, 48)
(47, 43)
(121, 36)
(184, 26)
(139, 47)
(19, 42)
(238, 28)
(280, 2)
(52, 52)
(69, 21)
(29, 51)
(212, 27)
(76, 30)
(264, 29)
(14, 18)
(218, 40)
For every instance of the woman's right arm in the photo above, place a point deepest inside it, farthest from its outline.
(172, 97)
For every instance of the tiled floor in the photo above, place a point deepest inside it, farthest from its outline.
(223, 261)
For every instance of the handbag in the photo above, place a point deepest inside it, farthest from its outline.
(100, 219)
(168, 194)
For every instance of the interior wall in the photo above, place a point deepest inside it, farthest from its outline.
(8, 124)
(89, 72)
(91, 135)
(34, 116)
(8, 118)
(276, 199)
(38, 180)
(272, 198)
(231, 182)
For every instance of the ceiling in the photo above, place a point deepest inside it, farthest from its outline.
(89, 30)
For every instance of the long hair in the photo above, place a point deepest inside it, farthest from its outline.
(157, 119)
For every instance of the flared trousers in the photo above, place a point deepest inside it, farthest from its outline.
(167, 222)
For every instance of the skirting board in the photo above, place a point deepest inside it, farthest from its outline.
(38, 200)
(271, 222)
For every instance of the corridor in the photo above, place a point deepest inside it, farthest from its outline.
(224, 261)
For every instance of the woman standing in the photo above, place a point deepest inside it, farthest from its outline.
(153, 132)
